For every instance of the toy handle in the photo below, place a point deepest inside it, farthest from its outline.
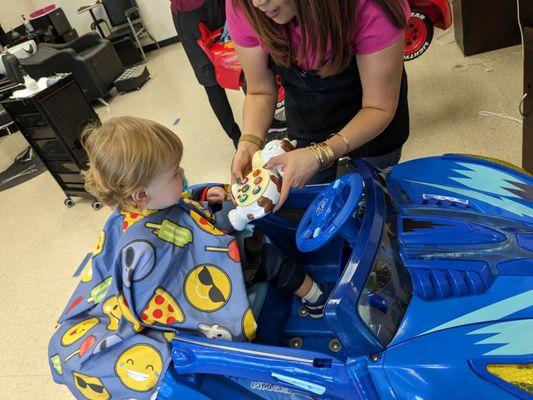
(238, 220)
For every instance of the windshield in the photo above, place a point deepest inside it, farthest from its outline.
(388, 288)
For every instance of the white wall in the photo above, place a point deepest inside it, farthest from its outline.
(156, 14)
(11, 11)
(80, 22)
(157, 17)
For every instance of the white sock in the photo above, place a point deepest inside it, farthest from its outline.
(313, 294)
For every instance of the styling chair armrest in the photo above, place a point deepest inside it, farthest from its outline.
(132, 11)
(78, 45)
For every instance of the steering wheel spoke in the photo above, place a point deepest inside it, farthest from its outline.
(329, 213)
(308, 233)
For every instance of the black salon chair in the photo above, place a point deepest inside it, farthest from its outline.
(12, 81)
(126, 21)
(92, 60)
(12, 66)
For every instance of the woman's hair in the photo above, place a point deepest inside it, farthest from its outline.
(125, 154)
(325, 25)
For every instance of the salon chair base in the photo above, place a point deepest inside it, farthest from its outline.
(132, 79)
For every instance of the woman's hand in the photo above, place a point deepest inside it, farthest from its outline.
(298, 167)
(242, 160)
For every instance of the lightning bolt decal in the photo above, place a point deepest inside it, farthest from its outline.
(488, 179)
(500, 202)
(514, 337)
(492, 186)
(491, 312)
(524, 191)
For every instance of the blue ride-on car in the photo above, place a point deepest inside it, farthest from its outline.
(430, 269)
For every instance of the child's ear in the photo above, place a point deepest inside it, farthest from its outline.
(141, 198)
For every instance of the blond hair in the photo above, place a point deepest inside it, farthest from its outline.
(125, 154)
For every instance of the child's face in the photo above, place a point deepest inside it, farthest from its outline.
(165, 189)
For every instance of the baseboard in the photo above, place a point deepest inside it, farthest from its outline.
(8, 129)
(162, 43)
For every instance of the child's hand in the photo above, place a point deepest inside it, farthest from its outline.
(215, 194)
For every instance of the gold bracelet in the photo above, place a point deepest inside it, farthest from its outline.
(323, 153)
(329, 152)
(316, 156)
(252, 139)
(312, 148)
(329, 155)
(348, 147)
(317, 153)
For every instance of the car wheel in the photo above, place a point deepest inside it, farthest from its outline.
(418, 35)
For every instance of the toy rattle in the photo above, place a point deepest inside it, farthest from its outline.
(255, 197)
(258, 193)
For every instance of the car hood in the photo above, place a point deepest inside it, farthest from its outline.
(466, 238)
(465, 182)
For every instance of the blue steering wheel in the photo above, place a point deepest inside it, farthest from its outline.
(331, 213)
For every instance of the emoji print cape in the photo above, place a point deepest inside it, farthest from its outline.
(152, 275)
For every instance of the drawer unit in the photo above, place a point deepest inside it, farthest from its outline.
(51, 149)
(52, 121)
(31, 119)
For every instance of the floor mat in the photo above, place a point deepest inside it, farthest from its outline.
(23, 169)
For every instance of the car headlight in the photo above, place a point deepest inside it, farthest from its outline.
(519, 375)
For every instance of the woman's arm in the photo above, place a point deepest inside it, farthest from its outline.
(259, 104)
(261, 91)
(381, 76)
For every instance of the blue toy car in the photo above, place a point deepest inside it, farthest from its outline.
(431, 275)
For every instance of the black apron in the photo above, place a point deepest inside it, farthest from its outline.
(212, 14)
(316, 107)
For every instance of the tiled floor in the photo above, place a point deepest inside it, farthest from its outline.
(43, 242)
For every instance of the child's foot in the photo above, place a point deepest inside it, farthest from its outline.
(316, 308)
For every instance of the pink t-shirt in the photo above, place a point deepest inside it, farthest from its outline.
(373, 29)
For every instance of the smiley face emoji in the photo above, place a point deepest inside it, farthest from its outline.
(79, 330)
(204, 224)
(139, 367)
(207, 288)
(249, 326)
(90, 387)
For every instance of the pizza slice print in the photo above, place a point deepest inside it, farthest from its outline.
(132, 217)
(162, 309)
